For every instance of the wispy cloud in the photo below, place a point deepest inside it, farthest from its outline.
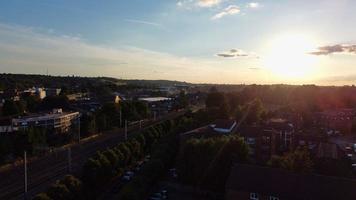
(189, 4)
(236, 53)
(336, 49)
(208, 3)
(253, 5)
(24, 50)
(230, 10)
(254, 68)
(143, 22)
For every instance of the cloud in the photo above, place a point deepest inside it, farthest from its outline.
(253, 5)
(235, 53)
(230, 10)
(143, 22)
(336, 49)
(254, 68)
(348, 79)
(208, 3)
(189, 4)
(26, 50)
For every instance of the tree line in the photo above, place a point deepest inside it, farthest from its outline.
(160, 141)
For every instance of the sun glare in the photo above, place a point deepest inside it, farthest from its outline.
(287, 57)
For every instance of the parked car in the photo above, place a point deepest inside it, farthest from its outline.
(126, 178)
(129, 173)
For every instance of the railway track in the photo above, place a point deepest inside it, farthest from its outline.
(46, 170)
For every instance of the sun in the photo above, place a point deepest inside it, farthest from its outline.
(288, 57)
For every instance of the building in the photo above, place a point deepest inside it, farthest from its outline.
(261, 142)
(57, 120)
(5, 125)
(308, 138)
(329, 150)
(78, 96)
(263, 183)
(336, 120)
(224, 126)
(285, 131)
(158, 105)
(39, 92)
(53, 91)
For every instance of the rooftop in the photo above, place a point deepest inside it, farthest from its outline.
(155, 99)
(223, 123)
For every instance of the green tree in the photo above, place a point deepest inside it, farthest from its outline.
(52, 102)
(11, 107)
(58, 191)
(297, 161)
(200, 159)
(101, 122)
(74, 186)
(215, 99)
(42, 196)
(37, 137)
(87, 125)
(255, 111)
(182, 100)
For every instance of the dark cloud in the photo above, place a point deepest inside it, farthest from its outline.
(339, 48)
(235, 53)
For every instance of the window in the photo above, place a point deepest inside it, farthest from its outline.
(273, 198)
(253, 196)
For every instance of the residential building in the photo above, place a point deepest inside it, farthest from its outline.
(261, 142)
(285, 131)
(53, 91)
(39, 92)
(78, 96)
(5, 125)
(336, 120)
(158, 105)
(263, 183)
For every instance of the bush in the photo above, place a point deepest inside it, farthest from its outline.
(73, 184)
(42, 196)
(59, 192)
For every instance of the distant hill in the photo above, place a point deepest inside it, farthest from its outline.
(23, 81)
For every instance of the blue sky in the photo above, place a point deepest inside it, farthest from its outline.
(218, 41)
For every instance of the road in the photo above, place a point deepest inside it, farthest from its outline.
(45, 170)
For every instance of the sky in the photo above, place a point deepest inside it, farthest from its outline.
(198, 41)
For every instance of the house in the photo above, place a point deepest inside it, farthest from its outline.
(329, 150)
(158, 105)
(53, 91)
(261, 142)
(39, 92)
(263, 183)
(336, 120)
(10, 94)
(285, 131)
(78, 96)
(5, 125)
(224, 126)
(310, 139)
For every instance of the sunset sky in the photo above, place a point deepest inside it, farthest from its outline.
(199, 41)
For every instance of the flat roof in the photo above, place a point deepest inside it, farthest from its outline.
(154, 99)
(46, 116)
